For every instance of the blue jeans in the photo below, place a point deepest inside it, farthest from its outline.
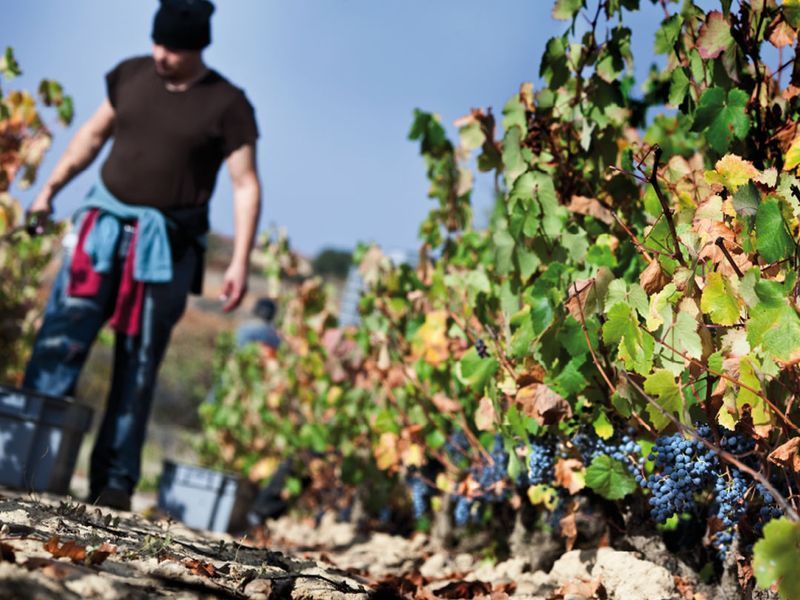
(63, 342)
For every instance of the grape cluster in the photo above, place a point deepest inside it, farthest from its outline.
(462, 510)
(492, 472)
(456, 446)
(540, 461)
(488, 474)
(480, 348)
(420, 495)
(730, 493)
(684, 468)
(731, 504)
(769, 508)
(621, 448)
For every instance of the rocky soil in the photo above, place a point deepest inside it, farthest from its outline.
(52, 547)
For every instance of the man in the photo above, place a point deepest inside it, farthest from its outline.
(141, 230)
(259, 329)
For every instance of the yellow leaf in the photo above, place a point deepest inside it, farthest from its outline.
(792, 159)
(430, 340)
(386, 451)
(544, 495)
(732, 172)
(443, 482)
(413, 456)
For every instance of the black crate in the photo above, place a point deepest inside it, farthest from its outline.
(40, 436)
(204, 498)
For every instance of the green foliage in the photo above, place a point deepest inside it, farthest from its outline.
(775, 558)
(24, 139)
(632, 276)
(332, 263)
(609, 478)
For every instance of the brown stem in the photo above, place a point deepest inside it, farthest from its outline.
(677, 255)
(721, 244)
(639, 246)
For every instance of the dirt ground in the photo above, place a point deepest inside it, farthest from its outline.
(53, 547)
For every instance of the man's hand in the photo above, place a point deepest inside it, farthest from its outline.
(234, 286)
(246, 205)
(42, 204)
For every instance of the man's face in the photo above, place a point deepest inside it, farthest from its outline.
(173, 64)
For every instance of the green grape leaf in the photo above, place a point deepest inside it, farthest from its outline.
(776, 556)
(504, 251)
(722, 117)
(772, 239)
(513, 160)
(554, 68)
(9, 67)
(719, 300)
(791, 11)
(678, 86)
(776, 329)
(471, 135)
(570, 381)
(746, 200)
(667, 34)
(635, 346)
(609, 478)
(474, 371)
(602, 426)
(565, 10)
(529, 262)
(683, 337)
(662, 385)
(715, 35)
(523, 335)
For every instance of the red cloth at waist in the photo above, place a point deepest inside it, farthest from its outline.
(84, 281)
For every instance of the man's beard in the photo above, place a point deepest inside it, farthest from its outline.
(167, 74)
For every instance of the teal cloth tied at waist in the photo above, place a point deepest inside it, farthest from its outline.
(153, 256)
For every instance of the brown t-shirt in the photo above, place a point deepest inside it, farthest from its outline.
(169, 146)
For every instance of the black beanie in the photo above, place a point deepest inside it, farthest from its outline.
(183, 24)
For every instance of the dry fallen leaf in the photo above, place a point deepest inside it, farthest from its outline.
(99, 555)
(464, 589)
(198, 567)
(71, 550)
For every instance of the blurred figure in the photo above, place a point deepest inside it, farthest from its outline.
(141, 231)
(259, 328)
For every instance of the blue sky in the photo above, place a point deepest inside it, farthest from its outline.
(334, 84)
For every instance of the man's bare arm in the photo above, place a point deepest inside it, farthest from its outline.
(246, 207)
(81, 151)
